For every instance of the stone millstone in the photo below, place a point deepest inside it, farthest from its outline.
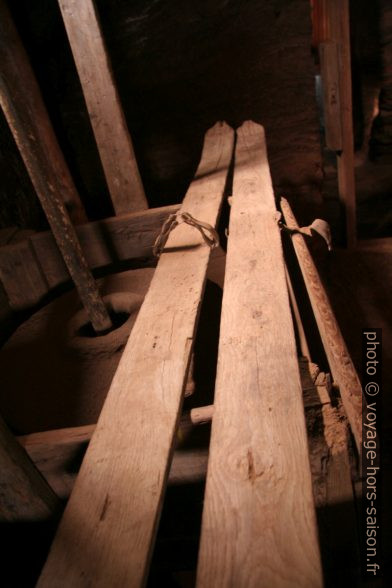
(54, 372)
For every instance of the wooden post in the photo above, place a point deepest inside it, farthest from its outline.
(329, 65)
(334, 27)
(24, 493)
(259, 524)
(106, 535)
(339, 359)
(23, 108)
(21, 96)
(103, 103)
(346, 173)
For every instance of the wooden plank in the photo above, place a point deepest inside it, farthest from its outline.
(107, 532)
(259, 525)
(338, 29)
(36, 140)
(57, 454)
(346, 172)
(329, 64)
(103, 104)
(25, 496)
(339, 359)
(32, 268)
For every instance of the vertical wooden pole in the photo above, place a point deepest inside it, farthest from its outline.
(17, 74)
(334, 27)
(346, 176)
(23, 108)
(103, 103)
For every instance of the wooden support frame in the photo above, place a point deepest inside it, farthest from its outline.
(259, 526)
(107, 118)
(329, 65)
(34, 136)
(114, 508)
(333, 32)
(21, 100)
(53, 452)
(29, 270)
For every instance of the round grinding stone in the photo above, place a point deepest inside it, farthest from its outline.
(55, 373)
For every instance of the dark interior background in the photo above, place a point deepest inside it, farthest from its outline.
(179, 66)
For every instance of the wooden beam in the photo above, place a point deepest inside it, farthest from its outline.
(103, 104)
(329, 64)
(29, 270)
(339, 359)
(107, 532)
(346, 173)
(337, 15)
(25, 496)
(259, 526)
(57, 454)
(34, 136)
(24, 108)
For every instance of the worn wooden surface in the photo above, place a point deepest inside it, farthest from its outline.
(339, 359)
(25, 496)
(57, 454)
(32, 268)
(337, 14)
(25, 114)
(329, 64)
(259, 524)
(103, 104)
(346, 173)
(107, 532)
(21, 100)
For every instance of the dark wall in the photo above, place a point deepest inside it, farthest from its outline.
(179, 65)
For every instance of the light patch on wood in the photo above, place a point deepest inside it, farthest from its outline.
(259, 525)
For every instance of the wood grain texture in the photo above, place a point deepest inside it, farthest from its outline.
(29, 124)
(29, 270)
(23, 106)
(107, 532)
(259, 524)
(329, 64)
(342, 367)
(103, 104)
(338, 16)
(25, 496)
(57, 455)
